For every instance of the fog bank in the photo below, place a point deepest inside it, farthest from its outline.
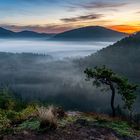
(57, 49)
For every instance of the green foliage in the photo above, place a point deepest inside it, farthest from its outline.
(11, 115)
(29, 125)
(30, 111)
(4, 121)
(126, 90)
(7, 101)
(121, 127)
(100, 75)
(105, 76)
(14, 109)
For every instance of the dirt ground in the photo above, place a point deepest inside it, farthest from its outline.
(79, 130)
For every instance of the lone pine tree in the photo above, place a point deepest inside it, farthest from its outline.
(105, 76)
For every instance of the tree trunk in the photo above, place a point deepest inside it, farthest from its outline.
(112, 100)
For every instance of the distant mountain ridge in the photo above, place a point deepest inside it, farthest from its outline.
(23, 34)
(32, 34)
(90, 33)
(5, 32)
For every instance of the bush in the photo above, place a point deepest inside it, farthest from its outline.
(4, 122)
(47, 117)
(7, 101)
(29, 111)
(29, 125)
(12, 115)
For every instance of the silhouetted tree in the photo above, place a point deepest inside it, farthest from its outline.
(105, 76)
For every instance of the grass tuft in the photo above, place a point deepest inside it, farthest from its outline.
(47, 117)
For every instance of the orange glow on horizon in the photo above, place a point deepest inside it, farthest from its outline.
(125, 28)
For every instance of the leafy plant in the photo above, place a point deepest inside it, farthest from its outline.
(29, 124)
(12, 115)
(29, 111)
(4, 122)
(7, 101)
(122, 128)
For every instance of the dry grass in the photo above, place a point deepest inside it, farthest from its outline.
(47, 117)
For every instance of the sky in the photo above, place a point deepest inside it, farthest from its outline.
(55, 16)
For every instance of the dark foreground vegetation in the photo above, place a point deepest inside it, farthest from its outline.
(35, 121)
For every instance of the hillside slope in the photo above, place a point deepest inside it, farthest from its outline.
(90, 33)
(23, 34)
(123, 57)
(5, 33)
(31, 34)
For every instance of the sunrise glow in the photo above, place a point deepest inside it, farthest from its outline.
(53, 16)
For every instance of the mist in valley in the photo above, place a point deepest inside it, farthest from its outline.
(47, 72)
(56, 49)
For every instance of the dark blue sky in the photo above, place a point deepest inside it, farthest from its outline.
(61, 15)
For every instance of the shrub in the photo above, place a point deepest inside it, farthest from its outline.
(7, 101)
(29, 111)
(29, 125)
(12, 115)
(47, 117)
(4, 122)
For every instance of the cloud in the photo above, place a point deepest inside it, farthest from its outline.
(39, 1)
(138, 12)
(102, 5)
(81, 18)
(95, 5)
(50, 28)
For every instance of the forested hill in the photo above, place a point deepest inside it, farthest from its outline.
(4, 33)
(123, 57)
(94, 33)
